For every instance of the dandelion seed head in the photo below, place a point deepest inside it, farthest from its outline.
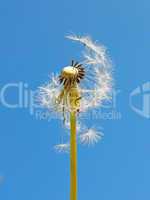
(80, 87)
(95, 87)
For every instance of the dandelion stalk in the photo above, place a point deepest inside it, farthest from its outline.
(73, 157)
(70, 77)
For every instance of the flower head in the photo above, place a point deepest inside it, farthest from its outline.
(80, 86)
(89, 82)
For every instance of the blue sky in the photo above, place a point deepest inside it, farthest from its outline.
(32, 45)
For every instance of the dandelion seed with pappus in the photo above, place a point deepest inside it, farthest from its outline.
(79, 87)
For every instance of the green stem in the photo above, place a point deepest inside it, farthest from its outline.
(73, 157)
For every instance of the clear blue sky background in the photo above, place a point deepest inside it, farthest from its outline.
(32, 45)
